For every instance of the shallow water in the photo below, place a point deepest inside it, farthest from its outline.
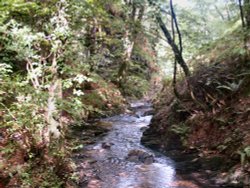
(114, 170)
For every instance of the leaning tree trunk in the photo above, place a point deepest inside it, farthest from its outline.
(177, 52)
(175, 49)
(173, 24)
(242, 13)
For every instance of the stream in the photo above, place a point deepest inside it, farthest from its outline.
(118, 160)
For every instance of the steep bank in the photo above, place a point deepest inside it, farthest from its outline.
(210, 123)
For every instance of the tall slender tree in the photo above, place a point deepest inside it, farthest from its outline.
(247, 12)
(176, 50)
(242, 13)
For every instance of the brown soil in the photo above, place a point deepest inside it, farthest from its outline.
(212, 121)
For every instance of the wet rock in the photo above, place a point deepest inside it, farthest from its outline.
(80, 156)
(148, 139)
(158, 138)
(127, 111)
(106, 145)
(149, 112)
(114, 161)
(148, 160)
(140, 107)
(91, 161)
(140, 156)
(138, 115)
(144, 129)
(94, 183)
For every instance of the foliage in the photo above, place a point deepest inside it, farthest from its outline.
(134, 82)
(62, 62)
(244, 155)
(182, 130)
(201, 23)
(59, 64)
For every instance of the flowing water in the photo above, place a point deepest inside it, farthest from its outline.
(115, 168)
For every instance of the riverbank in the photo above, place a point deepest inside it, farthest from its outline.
(209, 122)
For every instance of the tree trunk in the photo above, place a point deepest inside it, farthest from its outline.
(177, 52)
(141, 13)
(229, 17)
(242, 13)
(55, 92)
(129, 41)
(219, 12)
(173, 24)
(247, 12)
(128, 45)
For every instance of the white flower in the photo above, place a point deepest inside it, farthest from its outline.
(80, 78)
(78, 92)
(28, 98)
(20, 98)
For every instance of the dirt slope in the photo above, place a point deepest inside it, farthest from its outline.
(211, 121)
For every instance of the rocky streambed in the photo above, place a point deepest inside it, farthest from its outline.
(117, 159)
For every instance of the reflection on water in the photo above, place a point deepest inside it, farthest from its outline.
(156, 175)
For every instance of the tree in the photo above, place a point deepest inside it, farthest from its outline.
(242, 13)
(247, 12)
(133, 22)
(177, 51)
